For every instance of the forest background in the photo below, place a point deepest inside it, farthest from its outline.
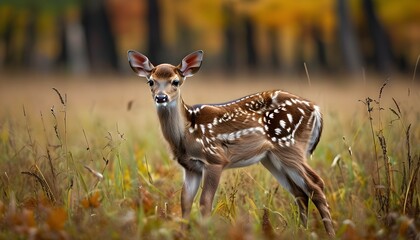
(267, 36)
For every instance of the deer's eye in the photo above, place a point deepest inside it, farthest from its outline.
(175, 83)
(150, 82)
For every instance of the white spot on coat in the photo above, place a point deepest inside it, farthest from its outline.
(290, 117)
(282, 124)
(203, 128)
(301, 110)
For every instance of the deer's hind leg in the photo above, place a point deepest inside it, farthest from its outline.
(302, 180)
(302, 199)
(316, 187)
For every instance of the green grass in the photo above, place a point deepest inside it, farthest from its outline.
(91, 169)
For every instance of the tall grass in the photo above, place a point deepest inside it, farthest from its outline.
(395, 179)
(384, 178)
(95, 178)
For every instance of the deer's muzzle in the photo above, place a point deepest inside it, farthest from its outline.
(162, 98)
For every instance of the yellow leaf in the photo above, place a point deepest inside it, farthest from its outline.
(127, 179)
(4, 135)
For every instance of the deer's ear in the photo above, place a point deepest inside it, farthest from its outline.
(191, 63)
(139, 63)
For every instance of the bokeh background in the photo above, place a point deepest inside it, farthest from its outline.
(256, 36)
(82, 155)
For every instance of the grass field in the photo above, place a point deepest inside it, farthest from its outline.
(87, 161)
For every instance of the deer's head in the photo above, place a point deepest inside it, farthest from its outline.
(165, 79)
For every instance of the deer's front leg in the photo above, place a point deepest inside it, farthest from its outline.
(192, 181)
(212, 175)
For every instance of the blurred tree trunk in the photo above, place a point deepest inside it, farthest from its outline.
(185, 40)
(7, 38)
(349, 47)
(19, 54)
(252, 58)
(73, 54)
(229, 53)
(99, 37)
(273, 41)
(154, 51)
(382, 47)
(27, 59)
(321, 49)
(62, 58)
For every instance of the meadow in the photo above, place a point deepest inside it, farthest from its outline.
(83, 158)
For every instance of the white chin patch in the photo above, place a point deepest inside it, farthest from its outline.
(161, 104)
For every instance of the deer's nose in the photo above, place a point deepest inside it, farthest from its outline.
(162, 98)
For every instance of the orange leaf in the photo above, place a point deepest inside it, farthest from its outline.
(92, 201)
(146, 199)
(24, 220)
(57, 218)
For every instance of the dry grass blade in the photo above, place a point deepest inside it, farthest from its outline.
(396, 104)
(382, 89)
(87, 145)
(415, 68)
(385, 199)
(64, 140)
(369, 108)
(148, 172)
(43, 183)
(121, 135)
(409, 205)
(336, 160)
(412, 181)
(414, 74)
(59, 95)
(407, 137)
(95, 173)
(307, 74)
(404, 187)
(28, 131)
(396, 114)
(57, 133)
(267, 227)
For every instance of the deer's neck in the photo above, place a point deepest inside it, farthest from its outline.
(173, 121)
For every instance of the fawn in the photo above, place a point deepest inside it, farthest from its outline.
(275, 128)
